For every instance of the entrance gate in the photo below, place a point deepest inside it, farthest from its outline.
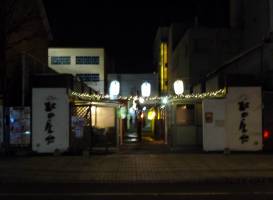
(93, 126)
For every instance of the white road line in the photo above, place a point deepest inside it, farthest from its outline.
(136, 194)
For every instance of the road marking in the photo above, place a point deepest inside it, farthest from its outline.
(137, 194)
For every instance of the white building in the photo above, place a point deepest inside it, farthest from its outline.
(85, 63)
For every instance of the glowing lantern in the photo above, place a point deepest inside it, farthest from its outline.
(114, 89)
(178, 87)
(165, 100)
(146, 89)
(266, 134)
(122, 112)
(141, 100)
(151, 115)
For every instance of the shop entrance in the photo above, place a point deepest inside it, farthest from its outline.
(145, 125)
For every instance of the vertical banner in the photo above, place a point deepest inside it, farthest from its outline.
(1, 122)
(50, 120)
(244, 118)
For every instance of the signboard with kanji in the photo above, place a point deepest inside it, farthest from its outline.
(50, 120)
(244, 118)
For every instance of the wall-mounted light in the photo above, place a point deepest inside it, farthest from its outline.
(146, 89)
(165, 100)
(114, 89)
(178, 87)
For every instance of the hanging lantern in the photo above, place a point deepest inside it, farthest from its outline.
(114, 89)
(146, 89)
(178, 87)
(151, 114)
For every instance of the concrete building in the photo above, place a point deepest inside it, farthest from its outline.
(27, 34)
(199, 51)
(253, 18)
(27, 37)
(88, 64)
(253, 64)
(238, 58)
(130, 84)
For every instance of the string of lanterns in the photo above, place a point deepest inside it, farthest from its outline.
(156, 99)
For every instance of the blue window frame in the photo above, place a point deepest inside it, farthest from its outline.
(87, 60)
(89, 77)
(60, 60)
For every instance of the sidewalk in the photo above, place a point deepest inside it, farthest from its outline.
(139, 168)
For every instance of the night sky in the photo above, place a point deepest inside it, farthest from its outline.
(126, 30)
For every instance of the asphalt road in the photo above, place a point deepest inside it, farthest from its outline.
(137, 191)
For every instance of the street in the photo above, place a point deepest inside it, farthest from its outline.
(136, 191)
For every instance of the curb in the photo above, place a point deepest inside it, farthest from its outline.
(227, 180)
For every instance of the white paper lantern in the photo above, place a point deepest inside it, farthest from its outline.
(114, 88)
(146, 89)
(178, 87)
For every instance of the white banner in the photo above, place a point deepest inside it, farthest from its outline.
(244, 118)
(50, 120)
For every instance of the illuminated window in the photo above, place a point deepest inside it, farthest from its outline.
(87, 60)
(89, 77)
(163, 67)
(60, 60)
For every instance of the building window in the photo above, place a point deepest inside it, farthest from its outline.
(89, 77)
(60, 60)
(87, 60)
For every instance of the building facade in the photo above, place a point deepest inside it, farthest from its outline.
(201, 50)
(238, 58)
(27, 37)
(87, 64)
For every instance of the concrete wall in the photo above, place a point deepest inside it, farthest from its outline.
(211, 48)
(253, 18)
(181, 63)
(202, 50)
(74, 68)
(234, 122)
(256, 63)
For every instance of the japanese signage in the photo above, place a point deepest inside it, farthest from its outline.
(50, 106)
(50, 119)
(243, 107)
(244, 118)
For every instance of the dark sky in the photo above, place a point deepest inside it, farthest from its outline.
(126, 30)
